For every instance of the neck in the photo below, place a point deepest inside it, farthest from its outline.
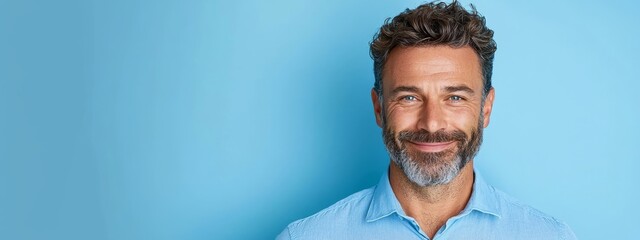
(432, 206)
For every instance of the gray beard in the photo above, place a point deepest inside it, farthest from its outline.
(431, 169)
(423, 174)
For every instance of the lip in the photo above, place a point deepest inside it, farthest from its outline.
(433, 147)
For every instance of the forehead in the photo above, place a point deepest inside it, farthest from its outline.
(432, 64)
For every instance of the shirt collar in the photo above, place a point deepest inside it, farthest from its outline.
(384, 202)
(483, 198)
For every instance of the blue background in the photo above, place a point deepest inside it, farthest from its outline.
(230, 119)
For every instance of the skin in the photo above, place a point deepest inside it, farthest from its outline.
(432, 88)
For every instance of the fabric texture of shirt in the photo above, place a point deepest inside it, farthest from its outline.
(375, 213)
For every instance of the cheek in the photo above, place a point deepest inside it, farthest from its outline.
(465, 120)
(399, 119)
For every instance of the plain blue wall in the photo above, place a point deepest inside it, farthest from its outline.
(230, 119)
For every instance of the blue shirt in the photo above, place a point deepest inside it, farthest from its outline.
(375, 213)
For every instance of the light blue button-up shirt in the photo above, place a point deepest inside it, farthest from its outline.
(375, 213)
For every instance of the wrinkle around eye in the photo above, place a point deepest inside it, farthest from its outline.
(401, 103)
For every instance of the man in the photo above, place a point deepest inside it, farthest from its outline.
(432, 97)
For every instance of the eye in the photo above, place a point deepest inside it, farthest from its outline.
(456, 98)
(408, 98)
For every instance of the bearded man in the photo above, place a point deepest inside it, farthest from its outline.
(432, 98)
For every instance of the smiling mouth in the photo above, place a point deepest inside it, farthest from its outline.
(433, 147)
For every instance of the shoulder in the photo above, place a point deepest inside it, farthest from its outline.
(526, 218)
(351, 208)
(341, 214)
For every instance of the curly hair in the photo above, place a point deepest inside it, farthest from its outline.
(433, 24)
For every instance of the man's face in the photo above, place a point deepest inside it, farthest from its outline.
(432, 111)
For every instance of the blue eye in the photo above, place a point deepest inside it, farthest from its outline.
(455, 98)
(409, 98)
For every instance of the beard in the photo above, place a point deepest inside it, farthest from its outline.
(432, 168)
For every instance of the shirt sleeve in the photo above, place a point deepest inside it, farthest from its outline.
(567, 233)
(284, 235)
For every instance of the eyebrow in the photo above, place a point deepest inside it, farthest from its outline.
(405, 89)
(459, 88)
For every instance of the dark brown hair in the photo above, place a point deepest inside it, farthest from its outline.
(435, 24)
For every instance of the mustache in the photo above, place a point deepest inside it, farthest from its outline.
(432, 137)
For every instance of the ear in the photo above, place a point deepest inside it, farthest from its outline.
(377, 107)
(488, 105)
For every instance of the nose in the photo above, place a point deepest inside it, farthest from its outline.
(432, 117)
